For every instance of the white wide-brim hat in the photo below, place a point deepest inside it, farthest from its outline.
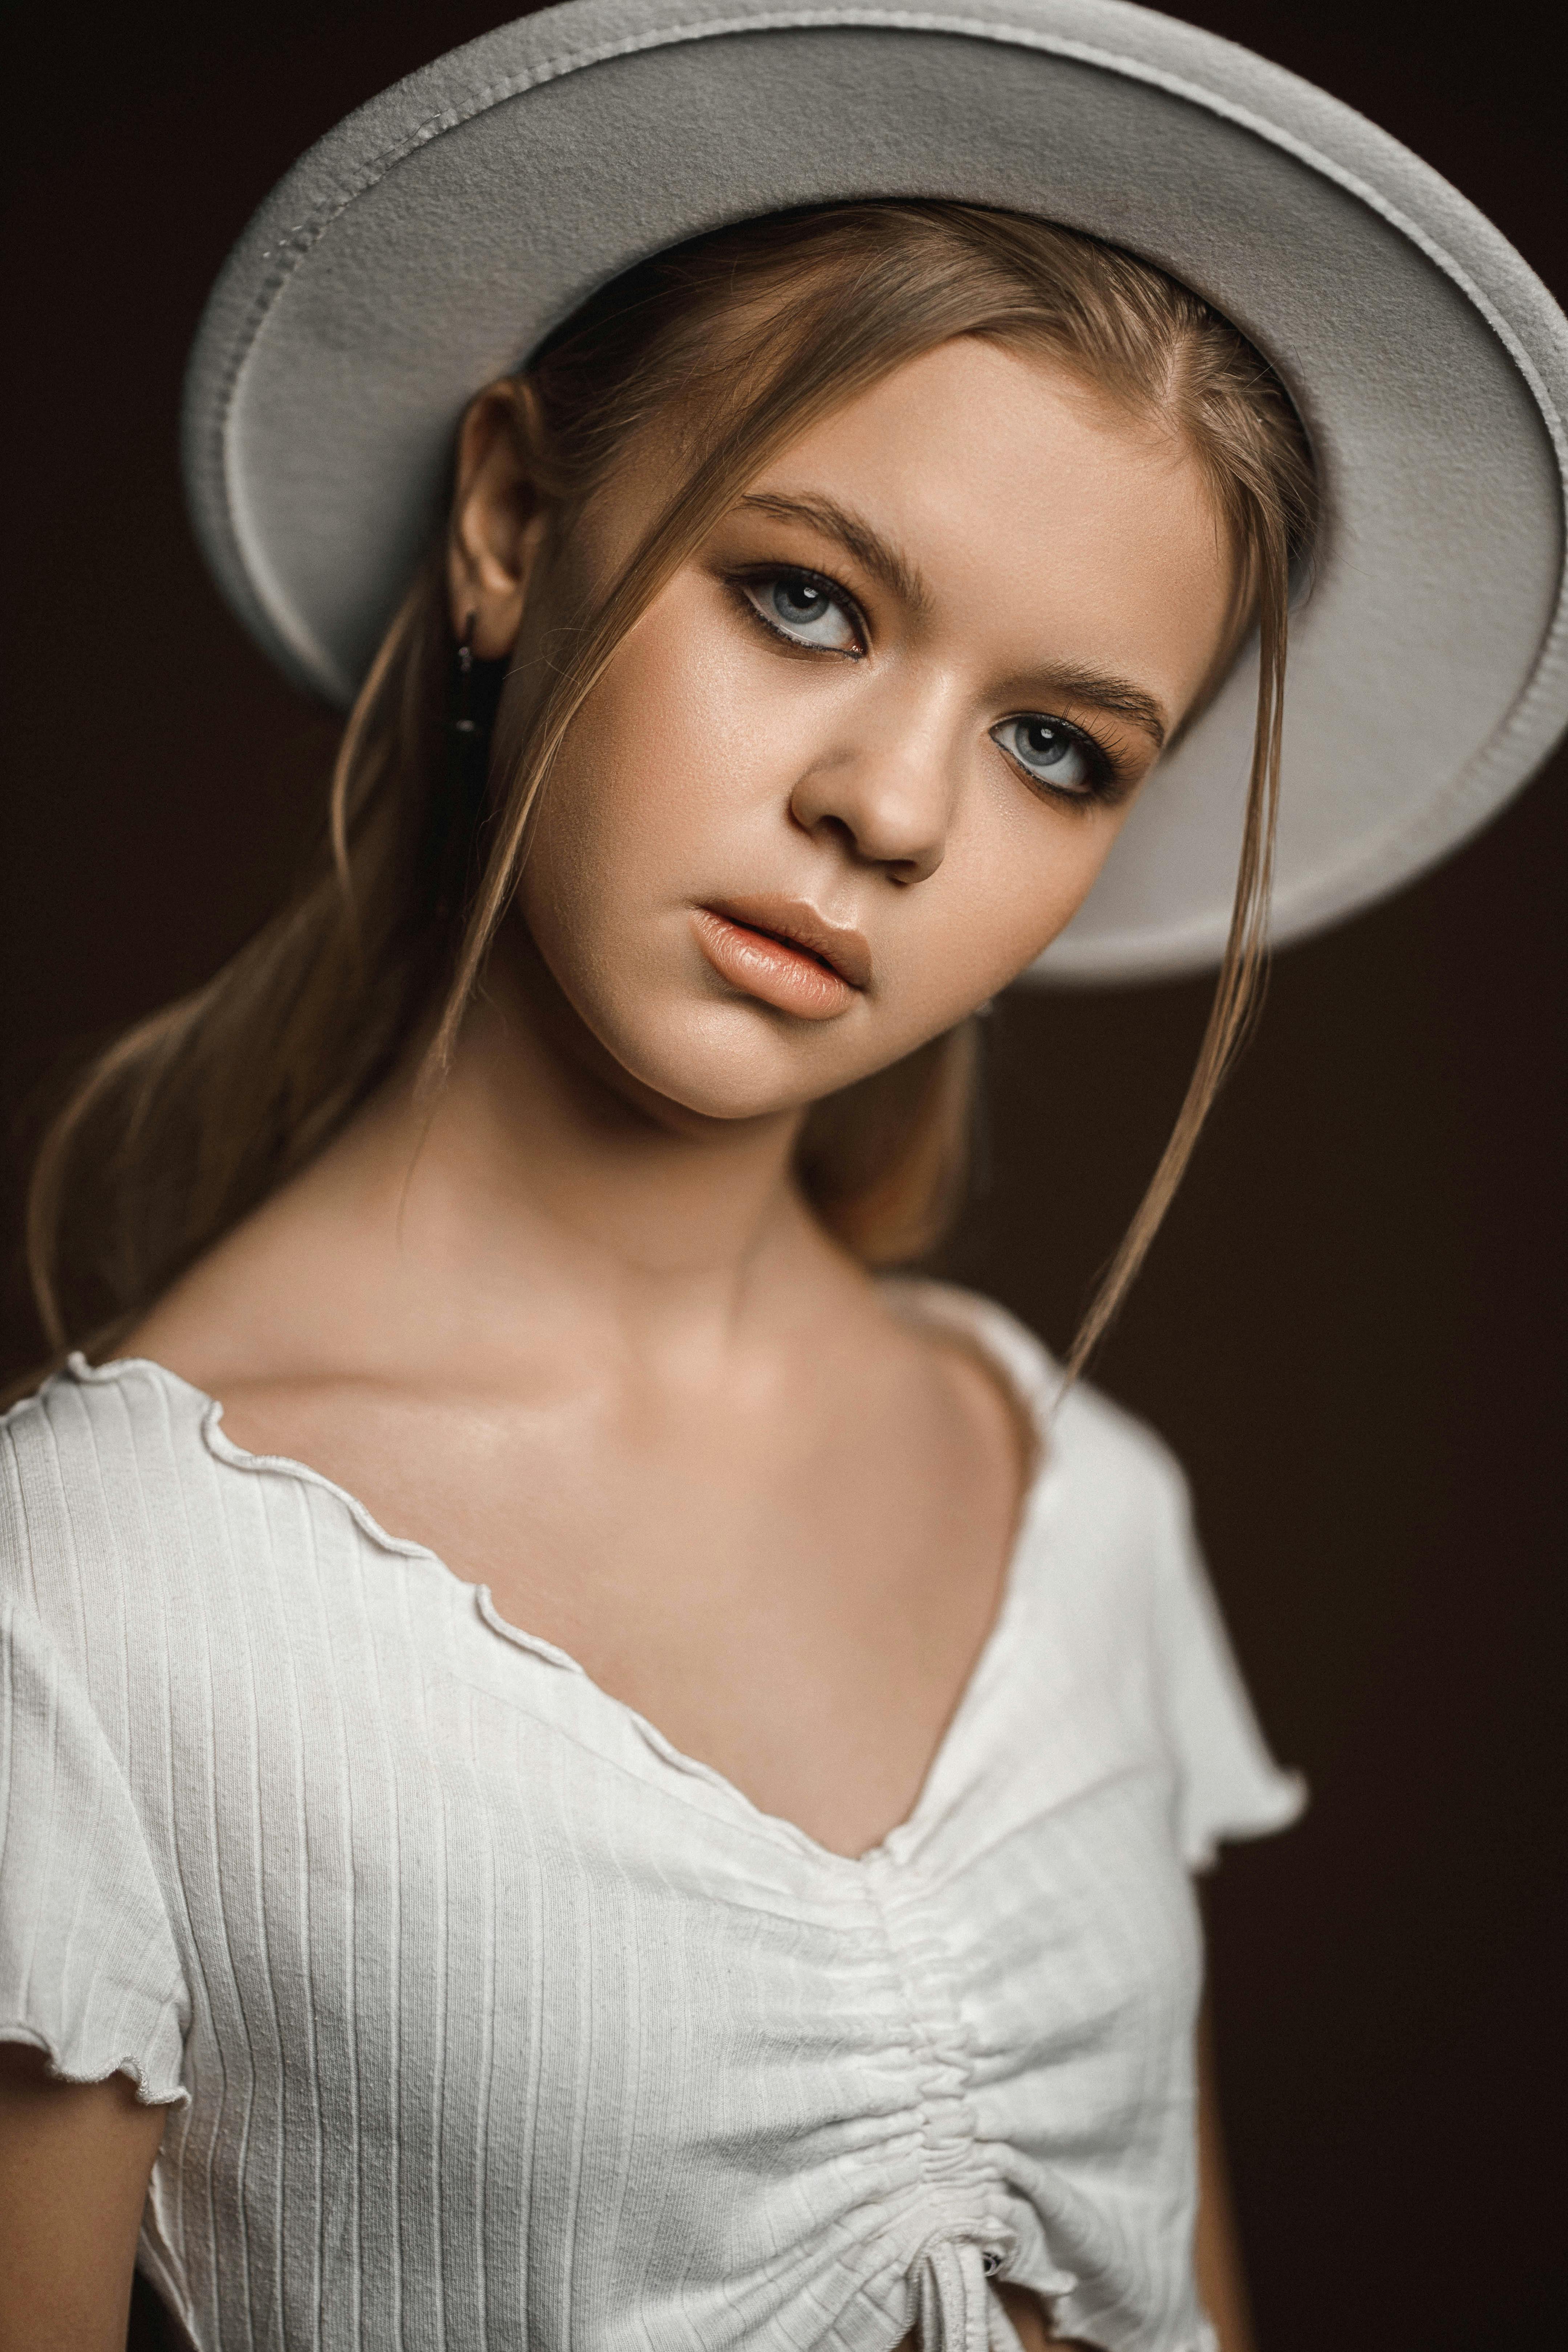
(432, 240)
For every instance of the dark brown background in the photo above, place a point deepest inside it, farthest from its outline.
(1350, 1330)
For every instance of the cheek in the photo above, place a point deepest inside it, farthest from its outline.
(659, 743)
(592, 860)
(655, 774)
(606, 793)
(1014, 874)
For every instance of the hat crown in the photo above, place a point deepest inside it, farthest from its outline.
(430, 241)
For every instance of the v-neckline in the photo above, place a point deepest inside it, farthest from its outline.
(939, 1306)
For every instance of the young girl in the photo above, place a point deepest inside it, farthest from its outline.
(584, 1766)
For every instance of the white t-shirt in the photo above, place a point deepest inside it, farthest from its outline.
(486, 2018)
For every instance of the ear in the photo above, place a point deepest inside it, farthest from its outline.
(498, 525)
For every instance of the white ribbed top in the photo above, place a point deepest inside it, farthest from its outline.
(486, 2018)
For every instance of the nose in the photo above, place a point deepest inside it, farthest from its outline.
(888, 796)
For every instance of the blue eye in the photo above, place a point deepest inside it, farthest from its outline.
(1051, 753)
(803, 609)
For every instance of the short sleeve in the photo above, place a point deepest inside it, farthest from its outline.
(90, 1972)
(1228, 1784)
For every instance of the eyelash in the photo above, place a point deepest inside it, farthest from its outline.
(759, 575)
(1107, 783)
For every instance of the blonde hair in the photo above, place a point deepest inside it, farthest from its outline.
(741, 340)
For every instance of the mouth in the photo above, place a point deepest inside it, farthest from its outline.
(785, 954)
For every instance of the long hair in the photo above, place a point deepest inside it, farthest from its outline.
(741, 340)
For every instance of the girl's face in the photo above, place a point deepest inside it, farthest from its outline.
(865, 754)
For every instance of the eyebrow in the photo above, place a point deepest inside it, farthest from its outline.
(1099, 690)
(868, 547)
(1117, 694)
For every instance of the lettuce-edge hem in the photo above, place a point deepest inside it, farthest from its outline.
(62, 2070)
(1280, 1809)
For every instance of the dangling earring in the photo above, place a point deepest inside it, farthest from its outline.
(473, 695)
(462, 712)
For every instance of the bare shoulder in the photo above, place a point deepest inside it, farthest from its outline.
(257, 1306)
(965, 1420)
(314, 1306)
(975, 1392)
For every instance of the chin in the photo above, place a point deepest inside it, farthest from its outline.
(727, 1062)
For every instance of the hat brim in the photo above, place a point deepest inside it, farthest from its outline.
(429, 242)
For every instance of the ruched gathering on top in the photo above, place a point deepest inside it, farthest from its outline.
(486, 2019)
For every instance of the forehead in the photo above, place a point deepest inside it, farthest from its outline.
(989, 427)
(1022, 493)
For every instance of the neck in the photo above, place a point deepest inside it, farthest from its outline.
(540, 1177)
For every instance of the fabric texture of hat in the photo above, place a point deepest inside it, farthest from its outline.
(432, 240)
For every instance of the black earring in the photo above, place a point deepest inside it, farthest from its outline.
(462, 717)
(473, 695)
(472, 699)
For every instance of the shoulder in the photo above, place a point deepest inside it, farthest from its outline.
(1083, 1438)
(92, 1465)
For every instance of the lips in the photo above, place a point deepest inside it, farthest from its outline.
(785, 953)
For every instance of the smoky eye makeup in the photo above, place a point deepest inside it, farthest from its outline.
(1061, 760)
(804, 608)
